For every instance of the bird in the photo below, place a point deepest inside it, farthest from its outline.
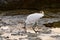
(33, 19)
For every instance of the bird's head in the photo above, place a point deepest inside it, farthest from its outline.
(42, 12)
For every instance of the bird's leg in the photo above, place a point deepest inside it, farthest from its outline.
(34, 26)
(24, 26)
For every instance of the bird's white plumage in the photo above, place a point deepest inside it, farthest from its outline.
(32, 18)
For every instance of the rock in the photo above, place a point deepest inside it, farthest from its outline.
(34, 38)
(23, 39)
(1, 38)
(56, 36)
(42, 29)
(55, 30)
(15, 32)
(5, 35)
(32, 35)
(18, 32)
(17, 37)
(5, 29)
(1, 32)
(46, 30)
(46, 38)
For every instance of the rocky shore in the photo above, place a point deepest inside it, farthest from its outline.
(11, 29)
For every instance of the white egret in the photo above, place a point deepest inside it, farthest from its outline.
(33, 19)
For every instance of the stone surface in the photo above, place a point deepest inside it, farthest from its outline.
(13, 30)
